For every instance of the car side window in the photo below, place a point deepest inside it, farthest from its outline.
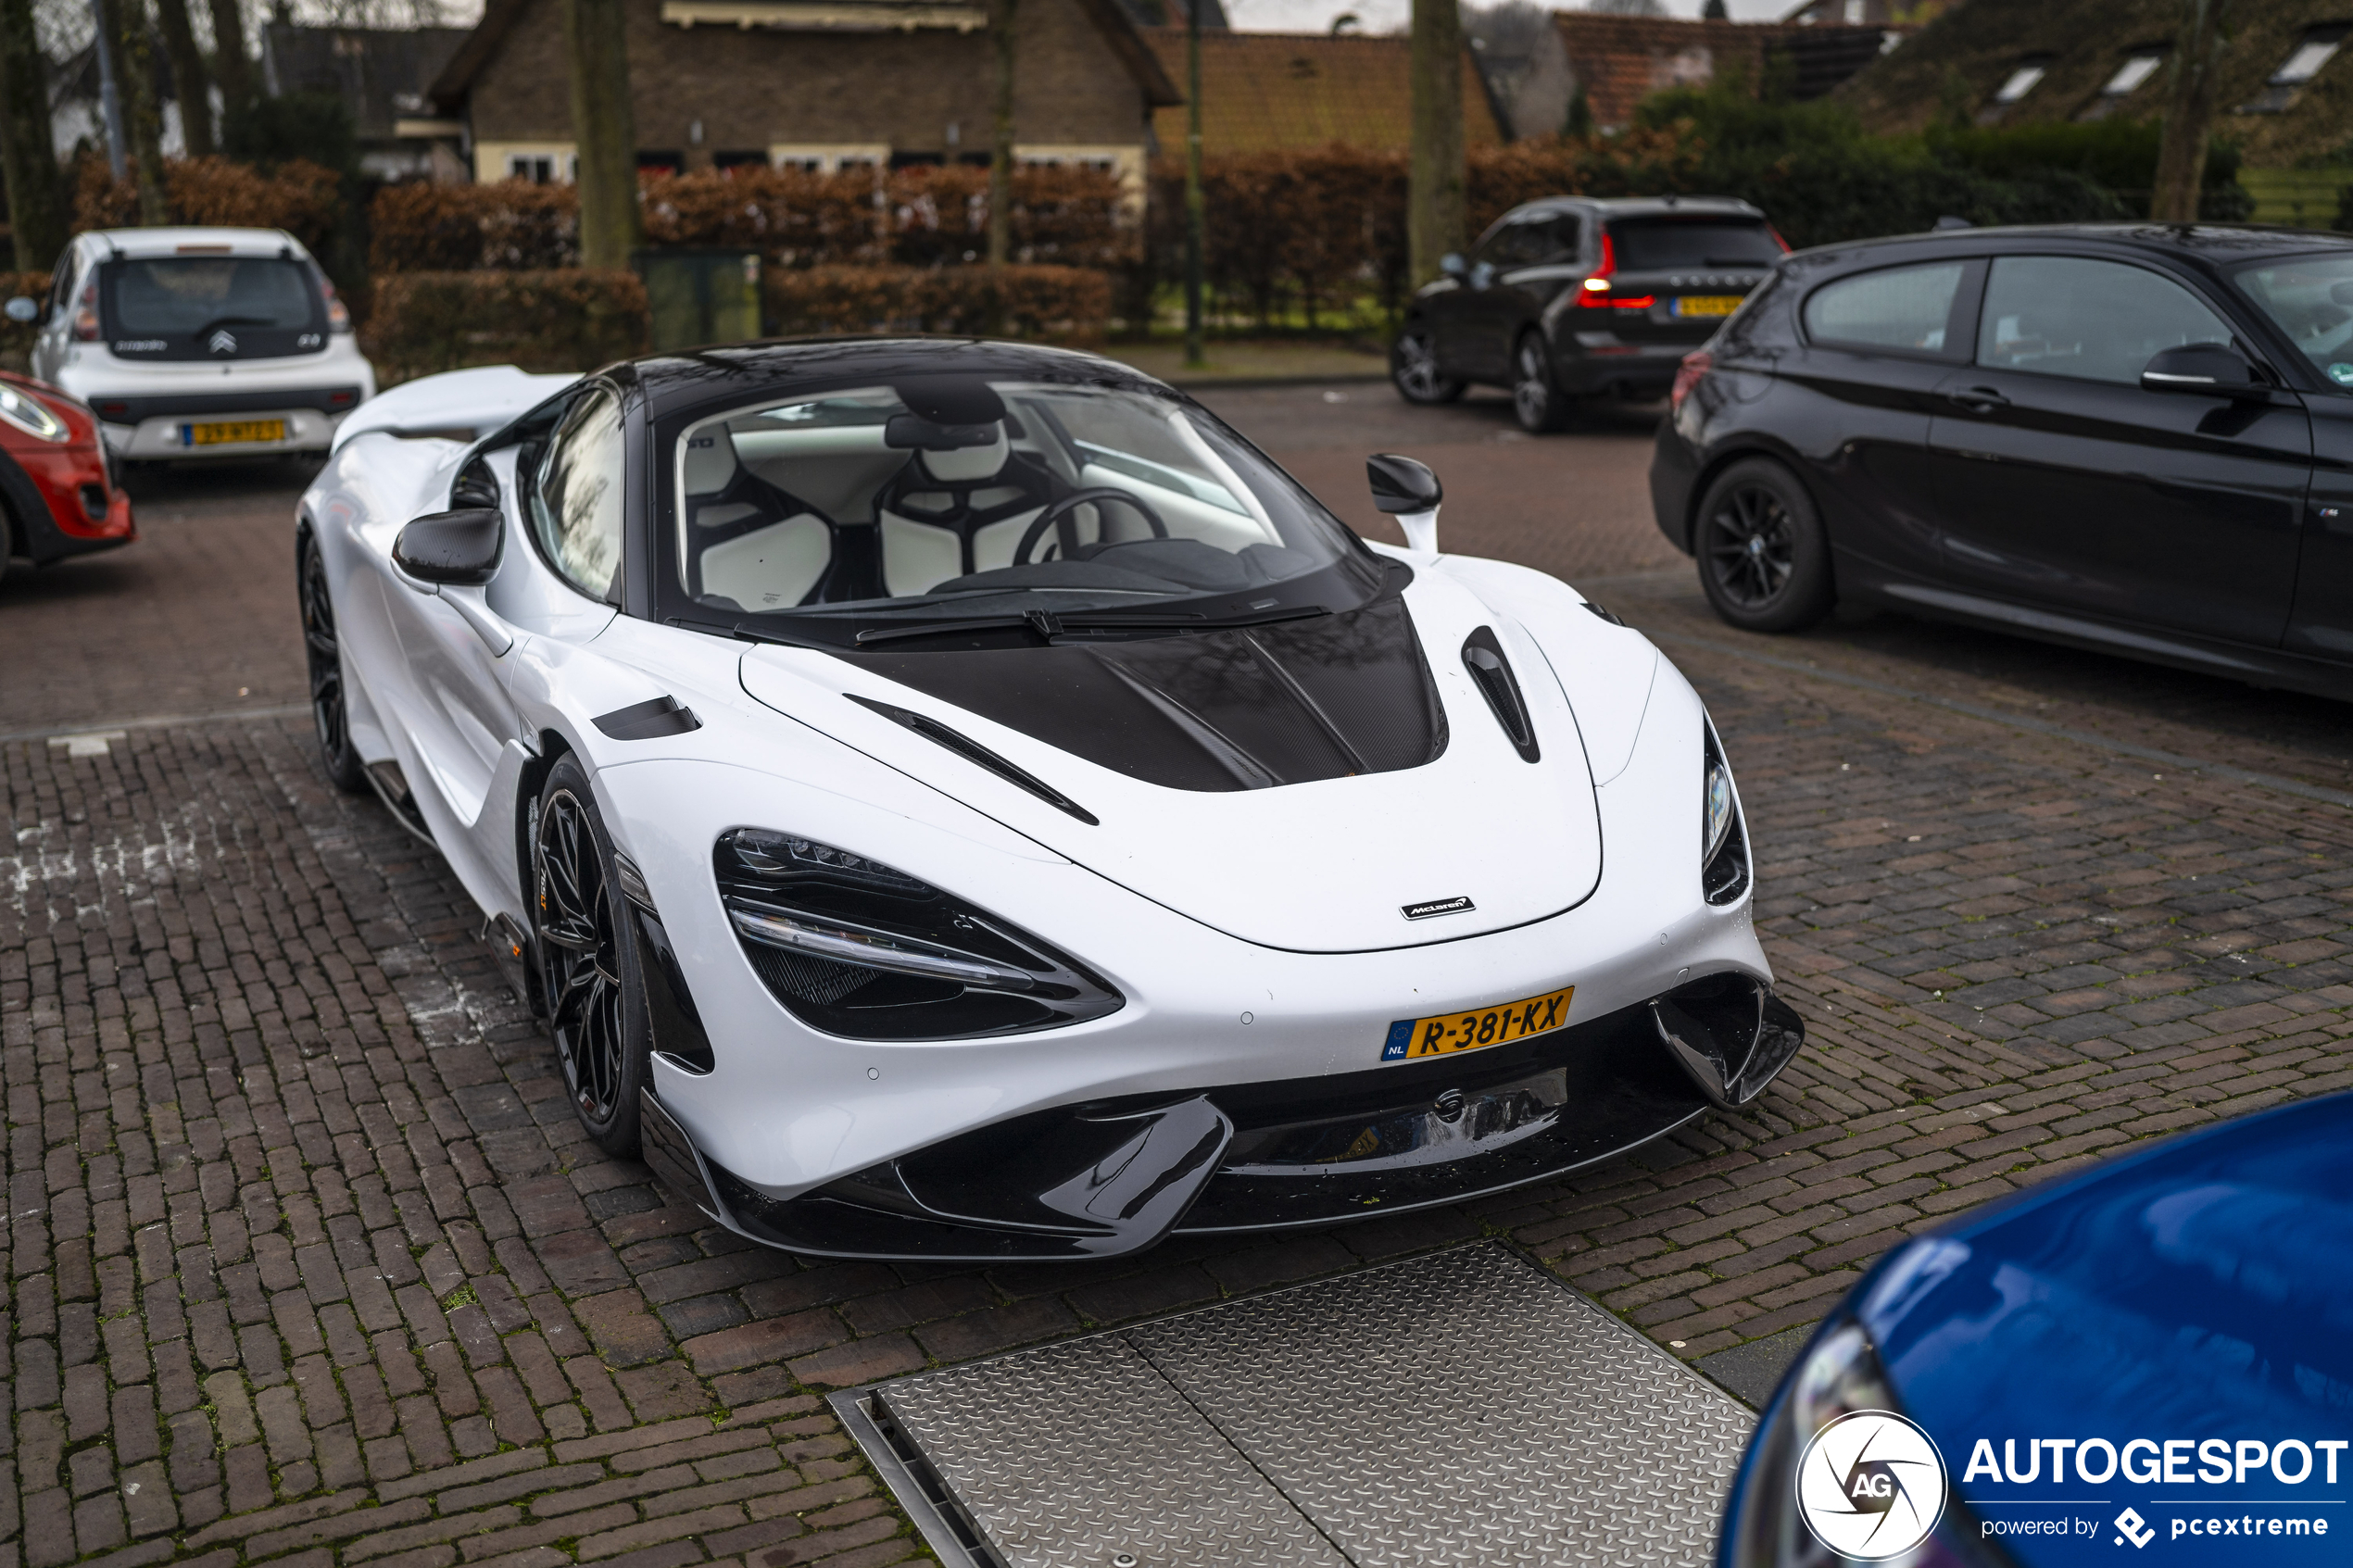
(576, 495)
(1553, 240)
(61, 285)
(1906, 309)
(1500, 249)
(2095, 320)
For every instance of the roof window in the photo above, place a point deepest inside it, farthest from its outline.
(2022, 80)
(2319, 45)
(2137, 67)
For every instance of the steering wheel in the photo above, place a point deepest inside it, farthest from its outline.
(1056, 510)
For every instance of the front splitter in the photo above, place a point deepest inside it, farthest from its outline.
(1460, 1408)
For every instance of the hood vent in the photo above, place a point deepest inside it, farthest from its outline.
(1223, 709)
(1483, 657)
(979, 756)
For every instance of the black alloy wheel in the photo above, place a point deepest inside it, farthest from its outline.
(1536, 401)
(588, 956)
(1412, 369)
(329, 710)
(1764, 558)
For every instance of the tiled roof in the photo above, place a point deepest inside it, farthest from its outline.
(1266, 91)
(2082, 43)
(1621, 60)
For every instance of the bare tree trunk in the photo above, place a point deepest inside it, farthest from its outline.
(2189, 111)
(134, 78)
(603, 129)
(1434, 196)
(1002, 22)
(231, 67)
(188, 79)
(1196, 205)
(37, 217)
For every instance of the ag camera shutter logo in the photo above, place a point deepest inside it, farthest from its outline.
(1870, 1486)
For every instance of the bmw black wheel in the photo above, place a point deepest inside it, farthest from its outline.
(587, 958)
(329, 711)
(1536, 401)
(1412, 369)
(1764, 559)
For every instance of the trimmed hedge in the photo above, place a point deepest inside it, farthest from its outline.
(916, 216)
(1066, 303)
(300, 197)
(569, 320)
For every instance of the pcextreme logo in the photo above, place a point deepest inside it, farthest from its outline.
(1870, 1486)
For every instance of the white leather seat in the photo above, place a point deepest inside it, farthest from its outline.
(924, 531)
(772, 566)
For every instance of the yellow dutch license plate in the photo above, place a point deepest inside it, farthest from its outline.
(1707, 304)
(1479, 1028)
(223, 433)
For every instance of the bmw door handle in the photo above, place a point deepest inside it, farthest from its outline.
(1978, 399)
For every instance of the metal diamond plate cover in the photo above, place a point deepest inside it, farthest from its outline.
(1463, 1408)
(1460, 1408)
(1078, 1452)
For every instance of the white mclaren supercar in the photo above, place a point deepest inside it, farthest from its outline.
(959, 800)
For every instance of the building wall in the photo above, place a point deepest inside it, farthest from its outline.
(922, 93)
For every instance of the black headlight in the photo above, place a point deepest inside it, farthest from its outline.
(1723, 860)
(1839, 1376)
(855, 948)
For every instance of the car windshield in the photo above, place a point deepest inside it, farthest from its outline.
(169, 295)
(2311, 299)
(1662, 245)
(962, 497)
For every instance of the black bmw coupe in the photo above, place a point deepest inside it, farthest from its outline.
(2136, 438)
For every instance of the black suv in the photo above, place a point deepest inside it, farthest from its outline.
(1568, 299)
(2135, 438)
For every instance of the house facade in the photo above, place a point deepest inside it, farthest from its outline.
(1269, 92)
(823, 84)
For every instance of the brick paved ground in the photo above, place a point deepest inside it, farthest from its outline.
(308, 1263)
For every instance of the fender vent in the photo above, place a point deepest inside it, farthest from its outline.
(1483, 657)
(979, 756)
(648, 721)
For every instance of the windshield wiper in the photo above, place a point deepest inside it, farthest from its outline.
(1049, 624)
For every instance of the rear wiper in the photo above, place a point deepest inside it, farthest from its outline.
(1048, 624)
(236, 322)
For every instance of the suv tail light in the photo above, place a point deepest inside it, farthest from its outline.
(339, 317)
(85, 311)
(1687, 376)
(1595, 296)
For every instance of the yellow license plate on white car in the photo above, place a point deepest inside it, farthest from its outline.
(1707, 304)
(230, 433)
(1478, 1028)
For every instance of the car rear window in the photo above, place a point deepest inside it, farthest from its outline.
(179, 295)
(1908, 308)
(1664, 245)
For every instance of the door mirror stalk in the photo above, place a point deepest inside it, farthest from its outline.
(1409, 491)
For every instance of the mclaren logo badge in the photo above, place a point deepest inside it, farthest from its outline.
(222, 342)
(1437, 906)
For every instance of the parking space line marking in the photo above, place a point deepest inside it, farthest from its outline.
(114, 728)
(2019, 721)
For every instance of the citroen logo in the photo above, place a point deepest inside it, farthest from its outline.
(222, 342)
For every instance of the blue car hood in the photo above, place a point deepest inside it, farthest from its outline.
(2198, 1295)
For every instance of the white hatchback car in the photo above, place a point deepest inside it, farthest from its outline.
(199, 342)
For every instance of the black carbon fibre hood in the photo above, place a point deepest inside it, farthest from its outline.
(1248, 708)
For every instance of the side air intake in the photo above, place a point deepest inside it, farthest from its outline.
(1483, 657)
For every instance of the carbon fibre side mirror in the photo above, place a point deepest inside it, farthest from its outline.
(457, 548)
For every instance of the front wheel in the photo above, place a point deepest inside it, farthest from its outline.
(1763, 558)
(1413, 370)
(588, 956)
(329, 709)
(1536, 400)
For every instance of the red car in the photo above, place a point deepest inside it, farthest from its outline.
(57, 487)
